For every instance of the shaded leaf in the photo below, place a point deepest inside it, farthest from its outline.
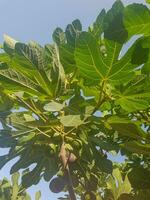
(72, 32)
(32, 177)
(139, 178)
(143, 194)
(51, 168)
(113, 23)
(140, 54)
(126, 127)
(58, 36)
(137, 147)
(97, 27)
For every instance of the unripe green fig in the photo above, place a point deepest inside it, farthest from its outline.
(126, 197)
(60, 173)
(57, 184)
(77, 144)
(88, 196)
(103, 49)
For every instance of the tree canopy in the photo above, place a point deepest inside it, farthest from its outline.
(67, 105)
(12, 190)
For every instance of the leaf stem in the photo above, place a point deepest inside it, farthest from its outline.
(31, 108)
(70, 131)
(21, 134)
(43, 133)
(37, 109)
(101, 100)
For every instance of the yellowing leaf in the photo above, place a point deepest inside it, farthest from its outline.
(117, 185)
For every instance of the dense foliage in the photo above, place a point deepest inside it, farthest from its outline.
(13, 190)
(66, 106)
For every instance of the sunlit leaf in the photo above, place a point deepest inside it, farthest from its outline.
(71, 120)
(134, 14)
(53, 106)
(117, 185)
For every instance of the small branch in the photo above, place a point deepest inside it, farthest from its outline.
(101, 100)
(65, 159)
(55, 129)
(35, 108)
(31, 108)
(21, 191)
(70, 187)
(73, 75)
(43, 133)
(70, 131)
(23, 133)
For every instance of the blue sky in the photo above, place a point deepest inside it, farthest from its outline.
(35, 20)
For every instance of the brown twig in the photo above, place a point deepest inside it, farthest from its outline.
(65, 159)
